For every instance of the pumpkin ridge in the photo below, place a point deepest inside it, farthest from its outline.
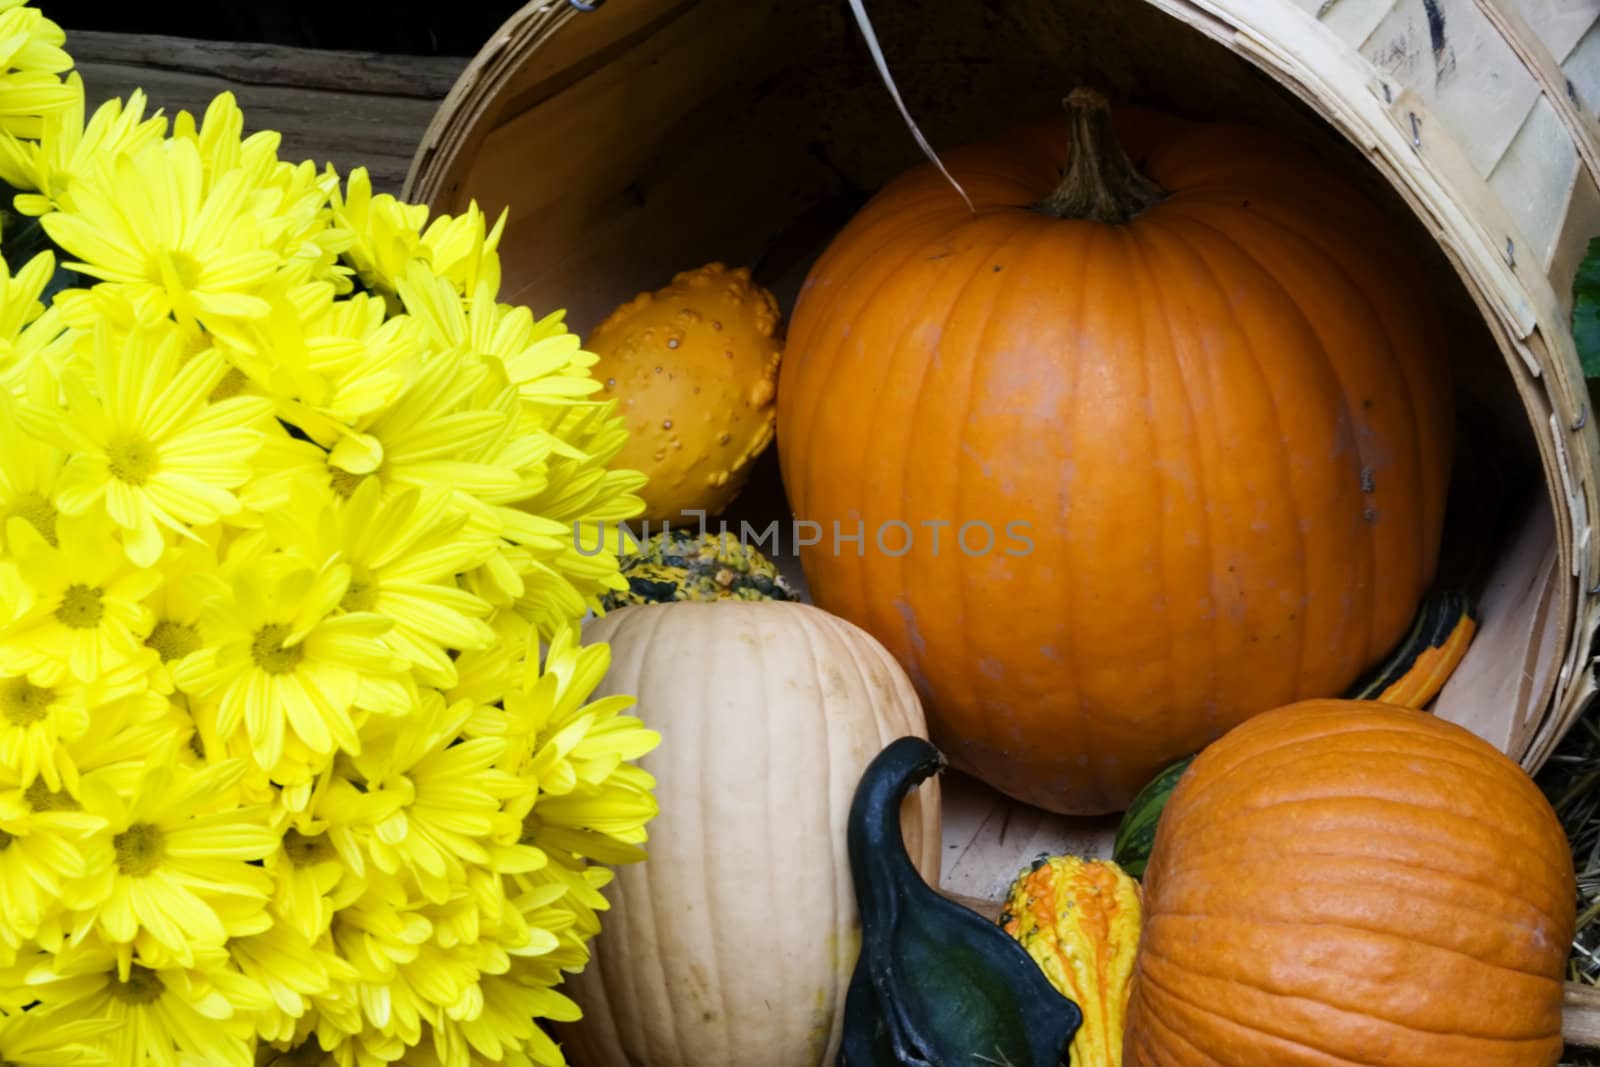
(1074, 697)
(1414, 393)
(843, 295)
(1204, 269)
(1434, 892)
(1541, 1032)
(1135, 1033)
(708, 856)
(1389, 804)
(1408, 429)
(960, 486)
(864, 574)
(1409, 424)
(1241, 737)
(1132, 265)
(1328, 924)
(1336, 1059)
(1145, 248)
(1229, 856)
(1427, 766)
(1362, 612)
(1155, 1020)
(1280, 759)
(831, 738)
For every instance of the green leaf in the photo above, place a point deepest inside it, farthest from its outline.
(1586, 310)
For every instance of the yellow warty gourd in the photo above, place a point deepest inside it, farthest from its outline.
(1079, 920)
(694, 367)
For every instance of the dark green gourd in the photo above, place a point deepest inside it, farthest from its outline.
(937, 985)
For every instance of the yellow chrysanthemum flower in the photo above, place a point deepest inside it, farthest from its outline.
(149, 448)
(462, 251)
(281, 655)
(31, 57)
(88, 618)
(29, 471)
(442, 799)
(46, 866)
(196, 252)
(66, 147)
(404, 553)
(291, 971)
(387, 232)
(39, 1039)
(311, 881)
(156, 1013)
(589, 802)
(181, 877)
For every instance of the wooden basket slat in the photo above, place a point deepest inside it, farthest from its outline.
(1535, 175)
(1559, 24)
(1473, 80)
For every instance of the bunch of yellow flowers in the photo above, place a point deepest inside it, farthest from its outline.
(296, 763)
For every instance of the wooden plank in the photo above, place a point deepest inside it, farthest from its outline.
(330, 107)
(1581, 126)
(989, 837)
(1512, 661)
(1534, 177)
(1582, 71)
(245, 63)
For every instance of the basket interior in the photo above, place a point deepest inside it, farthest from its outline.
(748, 132)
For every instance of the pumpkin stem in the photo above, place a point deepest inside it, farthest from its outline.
(1101, 183)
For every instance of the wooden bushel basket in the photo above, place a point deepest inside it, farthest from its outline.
(645, 137)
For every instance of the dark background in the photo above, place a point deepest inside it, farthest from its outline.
(443, 27)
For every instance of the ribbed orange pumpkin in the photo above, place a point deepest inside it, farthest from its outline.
(1121, 484)
(1340, 883)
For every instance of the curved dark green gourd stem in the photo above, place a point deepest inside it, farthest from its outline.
(936, 985)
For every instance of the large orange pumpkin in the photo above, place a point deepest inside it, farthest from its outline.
(1125, 479)
(1338, 884)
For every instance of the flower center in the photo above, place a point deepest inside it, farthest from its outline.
(305, 850)
(344, 483)
(361, 594)
(269, 652)
(81, 607)
(142, 987)
(173, 640)
(231, 385)
(132, 460)
(139, 849)
(41, 797)
(22, 702)
(37, 510)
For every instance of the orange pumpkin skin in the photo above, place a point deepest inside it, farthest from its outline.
(1340, 883)
(1212, 446)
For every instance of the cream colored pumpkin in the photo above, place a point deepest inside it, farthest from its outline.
(733, 944)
